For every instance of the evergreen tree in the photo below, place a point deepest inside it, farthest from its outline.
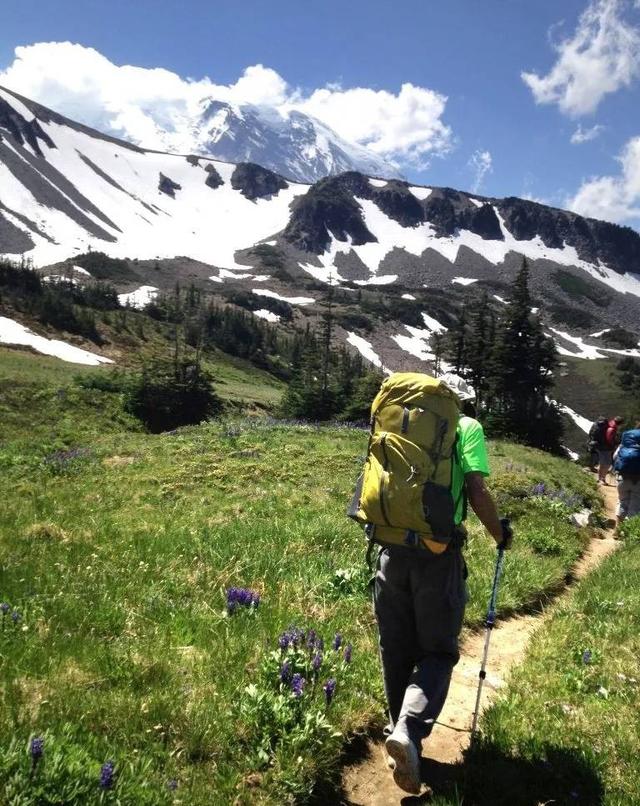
(521, 365)
(479, 348)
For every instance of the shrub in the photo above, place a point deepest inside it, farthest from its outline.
(168, 395)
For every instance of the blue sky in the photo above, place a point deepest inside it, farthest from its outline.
(495, 132)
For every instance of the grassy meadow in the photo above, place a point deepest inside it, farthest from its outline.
(117, 549)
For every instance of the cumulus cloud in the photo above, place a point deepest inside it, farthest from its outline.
(407, 125)
(481, 164)
(601, 57)
(156, 107)
(613, 198)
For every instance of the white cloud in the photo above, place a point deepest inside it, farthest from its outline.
(613, 198)
(581, 135)
(407, 125)
(601, 57)
(481, 164)
(156, 107)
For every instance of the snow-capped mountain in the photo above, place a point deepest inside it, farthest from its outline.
(292, 144)
(66, 189)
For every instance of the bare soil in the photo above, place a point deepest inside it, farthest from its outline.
(370, 783)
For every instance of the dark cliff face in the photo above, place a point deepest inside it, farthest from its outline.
(213, 180)
(168, 186)
(328, 208)
(331, 206)
(618, 247)
(256, 182)
(23, 131)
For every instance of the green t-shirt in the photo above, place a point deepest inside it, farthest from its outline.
(470, 457)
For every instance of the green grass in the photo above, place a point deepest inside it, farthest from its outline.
(118, 561)
(566, 729)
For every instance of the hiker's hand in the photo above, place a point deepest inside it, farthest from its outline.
(507, 534)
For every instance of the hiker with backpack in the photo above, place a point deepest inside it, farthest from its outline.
(627, 466)
(425, 461)
(607, 441)
(595, 439)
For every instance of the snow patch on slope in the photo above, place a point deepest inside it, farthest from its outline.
(140, 297)
(365, 348)
(270, 316)
(420, 192)
(14, 333)
(263, 292)
(464, 280)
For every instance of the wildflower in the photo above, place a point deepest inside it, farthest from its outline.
(539, 489)
(106, 775)
(587, 656)
(329, 689)
(285, 672)
(297, 685)
(284, 640)
(36, 748)
(320, 644)
(311, 640)
(316, 662)
(15, 617)
(297, 636)
(348, 650)
(241, 597)
(337, 641)
(172, 785)
(4, 608)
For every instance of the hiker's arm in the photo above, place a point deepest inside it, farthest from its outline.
(483, 505)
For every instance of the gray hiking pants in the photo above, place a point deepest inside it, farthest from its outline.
(419, 601)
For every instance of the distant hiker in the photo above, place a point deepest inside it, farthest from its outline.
(595, 439)
(627, 466)
(606, 447)
(425, 460)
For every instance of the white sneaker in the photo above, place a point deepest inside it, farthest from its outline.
(403, 751)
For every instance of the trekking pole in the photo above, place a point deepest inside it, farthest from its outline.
(490, 622)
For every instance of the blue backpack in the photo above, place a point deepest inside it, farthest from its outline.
(628, 460)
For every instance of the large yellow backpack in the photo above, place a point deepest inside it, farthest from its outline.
(403, 496)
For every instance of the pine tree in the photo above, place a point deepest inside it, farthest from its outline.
(520, 367)
(478, 348)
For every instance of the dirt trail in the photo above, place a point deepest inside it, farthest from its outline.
(370, 783)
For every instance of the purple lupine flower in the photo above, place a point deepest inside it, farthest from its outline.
(538, 489)
(106, 775)
(316, 661)
(297, 685)
(172, 785)
(587, 657)
(4, 608)
(320, 644)
(285, 672)
(241, 597)
(297, 636)
(36, 749)
(329, 690)
(284, 641)
(337, 641)
(311, 640)
(348, 651)
(15, 617)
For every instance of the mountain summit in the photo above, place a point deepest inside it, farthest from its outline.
(292, 143)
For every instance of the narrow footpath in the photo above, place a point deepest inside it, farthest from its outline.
(370, 783)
